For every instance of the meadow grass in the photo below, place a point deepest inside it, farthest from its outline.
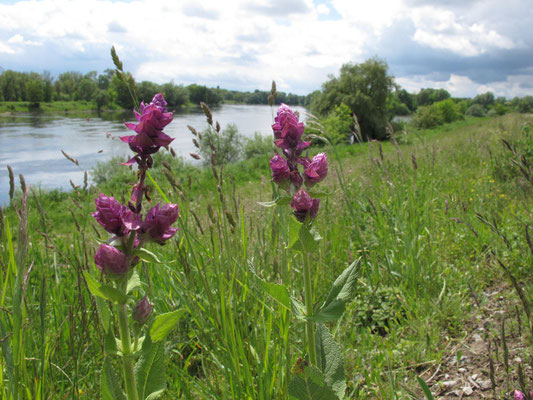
(416, 213)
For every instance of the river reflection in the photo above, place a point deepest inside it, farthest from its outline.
(31, 143)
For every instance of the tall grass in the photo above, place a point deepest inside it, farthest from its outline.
(411, 212)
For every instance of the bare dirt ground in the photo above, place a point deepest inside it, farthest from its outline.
(485, 363)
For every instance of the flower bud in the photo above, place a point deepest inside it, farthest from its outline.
(141, 311)
(304, 206)
(111, 260)
(316, 170)
(158, 221)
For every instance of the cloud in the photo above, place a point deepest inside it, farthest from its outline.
(196, 10)
(244, 44)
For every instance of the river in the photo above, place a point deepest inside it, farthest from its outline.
(31, 143)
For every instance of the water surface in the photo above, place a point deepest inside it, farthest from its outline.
(31, 143)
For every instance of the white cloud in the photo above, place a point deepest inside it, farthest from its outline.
(246, 43)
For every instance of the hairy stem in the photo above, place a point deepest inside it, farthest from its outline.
(310, 325)
(127, 360)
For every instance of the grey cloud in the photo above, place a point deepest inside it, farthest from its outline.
(259, 36)
(280, 8)
(115, 27)
(408, 58)
(195, 10)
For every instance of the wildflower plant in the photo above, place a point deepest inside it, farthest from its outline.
(139, 345)
(321, 373)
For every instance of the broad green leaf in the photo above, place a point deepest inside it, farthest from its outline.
(103, 312)
(278, 292)
(164, 323)
(319, 194)
(425, 388)
(329, 359)
(310, 384)
(150, 370)
(104, 291)
(110, 383)
(298, 309)
(147, 256)
(134, 282)
(306, 242)
(110, 343)
(341, 292)
(294, 231)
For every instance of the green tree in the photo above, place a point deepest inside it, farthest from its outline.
(101, 98)
(175, 95)
(364, 88)
(146, 91)
(429, 96)
(35, 91)
(485, 99)
(86, 89)
(119, 92)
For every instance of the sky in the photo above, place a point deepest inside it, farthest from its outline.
(464, 46)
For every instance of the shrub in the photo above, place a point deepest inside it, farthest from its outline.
(227, 144)
(259, 145)
(427, 117)
(476, 110)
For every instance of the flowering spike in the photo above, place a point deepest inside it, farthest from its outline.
(111, 260)
(141, 311)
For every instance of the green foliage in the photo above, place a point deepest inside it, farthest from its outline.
(336, 127)
(199, 93)
(447, 109)
(364, 88)
(257, 146)
(35, 91)
(101, 98)
(175, 95)
(85, 90)
(227, 144)
(485, 99)
(427, 117)
(150, 370)
(429, 96)
(475, 110)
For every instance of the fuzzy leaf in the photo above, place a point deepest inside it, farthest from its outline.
(134, 282)
(164, 323)
(278, 292)
(104, 291)
(341, 293)
(294, 231)
(310, 384)
(110, 383)
(147, 256)
(110, 343)
(150, 370)
(329, 359)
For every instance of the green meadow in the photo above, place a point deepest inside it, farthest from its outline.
(441, 220)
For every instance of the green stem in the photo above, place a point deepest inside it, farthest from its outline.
(127, 360)
(310, 325)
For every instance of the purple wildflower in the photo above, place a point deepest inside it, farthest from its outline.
(280, 169)
(111, 260)
(149, 131)
(158, 221)
(304, 206)
(113, 216)
(316, 170)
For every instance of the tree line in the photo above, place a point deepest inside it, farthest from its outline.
(106, 89)
(368, 92)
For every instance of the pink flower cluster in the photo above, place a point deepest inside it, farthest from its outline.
(149, 137)
(123, 222)
(288, 132)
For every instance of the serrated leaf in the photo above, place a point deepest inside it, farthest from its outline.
(110, 343)
(104, 291)
(298, 309)
(294, 231)
(134, 282)
(164, 323)
(329, 359)
(103, 312)
(341, 292)
(110, 388)
(147, 256)
(150, 370)
(278, 292)
(310, 385)
(306, 242)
